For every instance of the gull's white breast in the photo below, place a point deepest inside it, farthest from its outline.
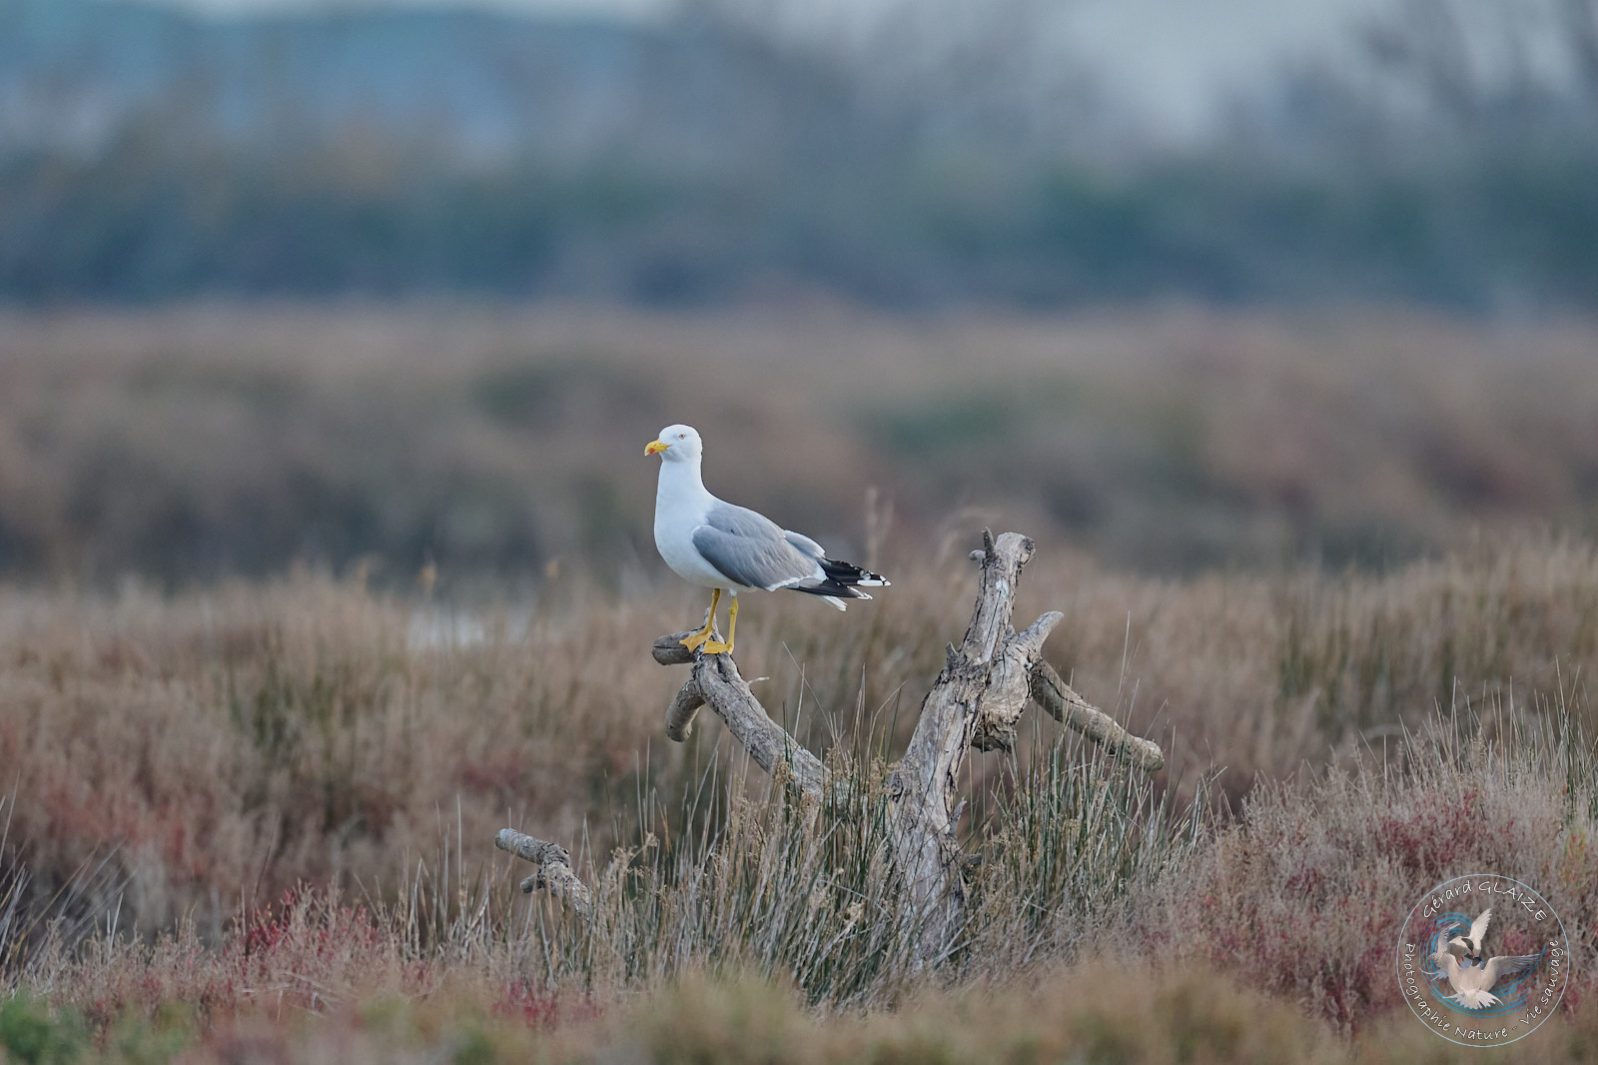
(680, 508)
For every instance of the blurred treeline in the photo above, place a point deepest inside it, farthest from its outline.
(1445, 152)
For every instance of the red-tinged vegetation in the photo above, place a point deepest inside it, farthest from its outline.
(243, 740)
(253, 822)
(1304, 897)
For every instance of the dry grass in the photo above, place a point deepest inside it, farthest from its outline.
(239, 810)
(217, 748)
(201, 441)
(1100, 1010)
(251, 820)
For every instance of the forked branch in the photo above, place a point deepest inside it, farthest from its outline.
(716, 682)
(1076, 713)
(555, 873)
(985, 686)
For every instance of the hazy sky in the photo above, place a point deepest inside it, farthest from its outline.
(1173, 54)
(629, 7)
(1170, 56)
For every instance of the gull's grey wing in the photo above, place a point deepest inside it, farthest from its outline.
(752, 550)
(805, 544)
(1506, 965)
(741, 521)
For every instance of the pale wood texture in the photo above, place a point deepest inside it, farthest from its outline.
(716, 682)
(976, 700)
(1076, 713)
(555, 873)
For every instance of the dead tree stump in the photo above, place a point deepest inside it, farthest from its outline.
(985, 685)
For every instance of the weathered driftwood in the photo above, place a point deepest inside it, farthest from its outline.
(715, 682)
(554, 874)
(976, 700)
(985, 686)
(1076, 713)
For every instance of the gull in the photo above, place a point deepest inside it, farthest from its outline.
(1472, 979)
(717, 545)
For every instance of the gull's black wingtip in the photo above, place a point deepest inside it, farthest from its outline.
(844, 580)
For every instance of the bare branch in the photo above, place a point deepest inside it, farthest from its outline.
(1075, 712)
(555, 873)
(1009, 685)
(682, 711)
(924, 787)
(716, 683)
(1001, 573)
(669, 651)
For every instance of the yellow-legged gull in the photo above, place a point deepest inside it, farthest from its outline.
(716, 545)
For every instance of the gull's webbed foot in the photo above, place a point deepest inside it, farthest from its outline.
(718, 647)
(696, 640)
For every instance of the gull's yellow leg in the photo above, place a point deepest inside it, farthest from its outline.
(693, 642)
(716, 647)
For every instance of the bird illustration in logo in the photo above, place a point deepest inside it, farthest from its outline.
(1461, 962)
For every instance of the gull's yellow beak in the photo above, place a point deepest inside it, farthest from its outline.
(655, 447)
